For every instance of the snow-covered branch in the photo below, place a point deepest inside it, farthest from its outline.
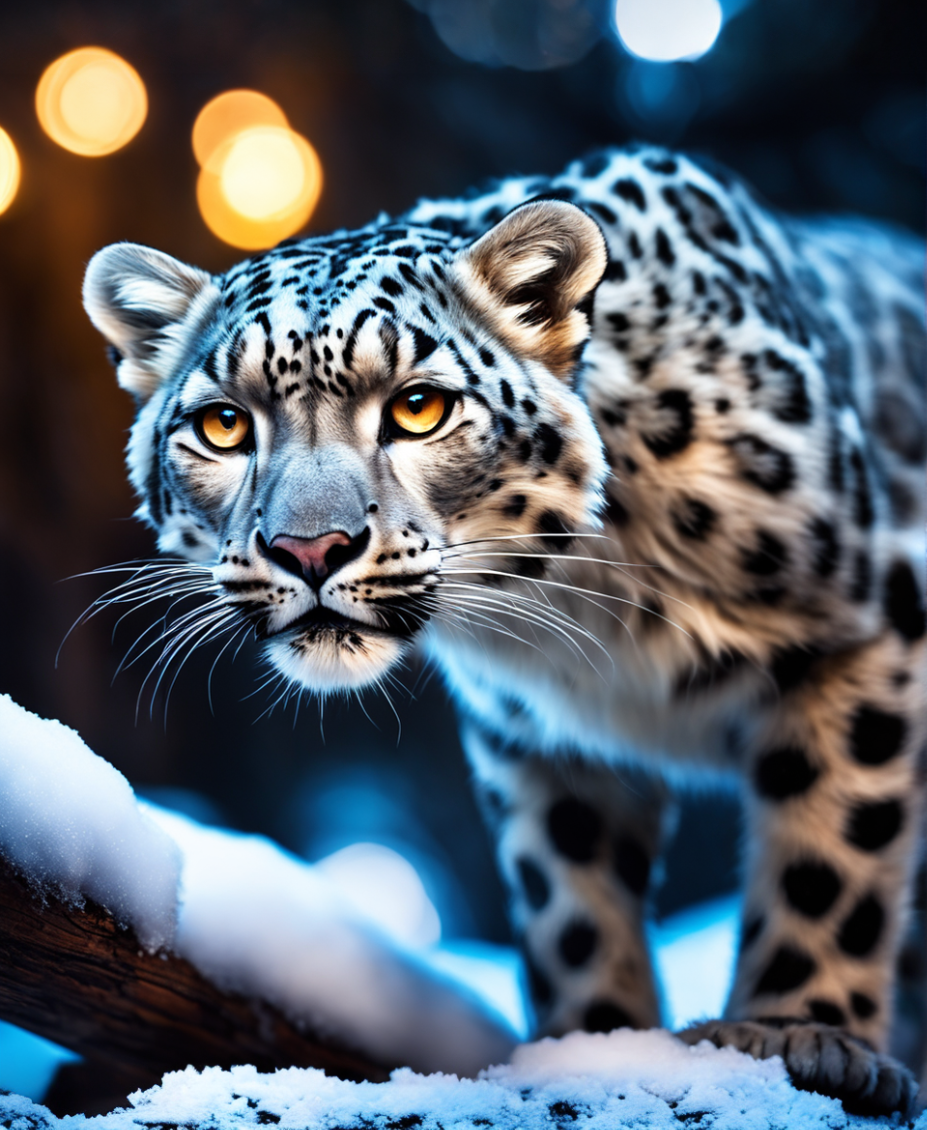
(139, 938)
(73, 975)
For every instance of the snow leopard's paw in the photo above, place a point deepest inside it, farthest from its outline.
(818, 1058)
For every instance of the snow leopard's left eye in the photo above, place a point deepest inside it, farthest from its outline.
(420, 410)
(223, 427)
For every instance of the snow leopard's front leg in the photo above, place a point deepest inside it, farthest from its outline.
(576, 845)
(834, 807)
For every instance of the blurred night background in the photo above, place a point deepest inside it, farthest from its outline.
(820, 103)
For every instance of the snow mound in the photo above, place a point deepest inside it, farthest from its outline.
(69, 821)
(628, 1080)
(251, 918)
(256, 920)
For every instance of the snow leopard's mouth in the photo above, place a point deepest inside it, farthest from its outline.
(317, 621)
(321, 621)
(324, 650)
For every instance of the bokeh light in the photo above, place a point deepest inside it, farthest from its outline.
(260, 180)
(229, 114)
(532, 35)
(91, 101)
(667, 30)
(9, 170)
(263, 173)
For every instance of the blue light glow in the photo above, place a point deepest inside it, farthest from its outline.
(665, 31)
(694, 953)
(28, 1063)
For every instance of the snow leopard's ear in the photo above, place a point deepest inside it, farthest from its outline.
(533, 277)
(148, 306)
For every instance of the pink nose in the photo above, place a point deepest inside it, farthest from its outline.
(311, 552)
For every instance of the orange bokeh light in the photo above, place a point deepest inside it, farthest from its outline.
(230, 113)
(91, 101)
(259, 187)
(10, 170)
(260, 180)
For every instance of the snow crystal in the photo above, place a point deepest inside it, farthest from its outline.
(386, 887)
(621, 1081)
(70, 822)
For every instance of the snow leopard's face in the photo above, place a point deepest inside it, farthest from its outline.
(344, 429)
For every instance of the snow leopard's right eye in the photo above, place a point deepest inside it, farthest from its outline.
(420, 410)
(223, 427)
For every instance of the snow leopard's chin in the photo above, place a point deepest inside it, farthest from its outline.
(335, 659)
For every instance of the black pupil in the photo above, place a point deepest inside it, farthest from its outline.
(416, 402)
(228, 418)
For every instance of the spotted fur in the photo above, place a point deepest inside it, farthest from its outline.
(672, 525)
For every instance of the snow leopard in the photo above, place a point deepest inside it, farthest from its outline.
(639, 463)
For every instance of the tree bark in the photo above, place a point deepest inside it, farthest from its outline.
(74, 977)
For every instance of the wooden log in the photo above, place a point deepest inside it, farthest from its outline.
(74, 977)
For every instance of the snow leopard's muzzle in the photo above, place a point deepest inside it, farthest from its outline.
(334, 569)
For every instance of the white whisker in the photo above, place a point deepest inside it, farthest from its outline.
(180, 595)
(573, 589)
(504, 601)
(243, 632)
(176, 639)
(168, 629)
(214, 632)
(110, 598)
(485, 602)
(564, 558)
(483, 619)
(547, 601)
(268, 710)
(524, 537)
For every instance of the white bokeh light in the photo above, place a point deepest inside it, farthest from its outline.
(384, 886)
(667, 30)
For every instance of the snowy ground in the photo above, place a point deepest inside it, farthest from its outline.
(256, 920)
(627, 1080)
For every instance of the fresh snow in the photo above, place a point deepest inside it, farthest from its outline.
(701, 938)
(621, 1081)
(70, 823)
(384, 886)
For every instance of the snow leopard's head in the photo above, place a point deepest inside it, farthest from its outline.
(341, 432)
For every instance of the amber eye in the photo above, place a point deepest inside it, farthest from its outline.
(419, 411)
(223, 426)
